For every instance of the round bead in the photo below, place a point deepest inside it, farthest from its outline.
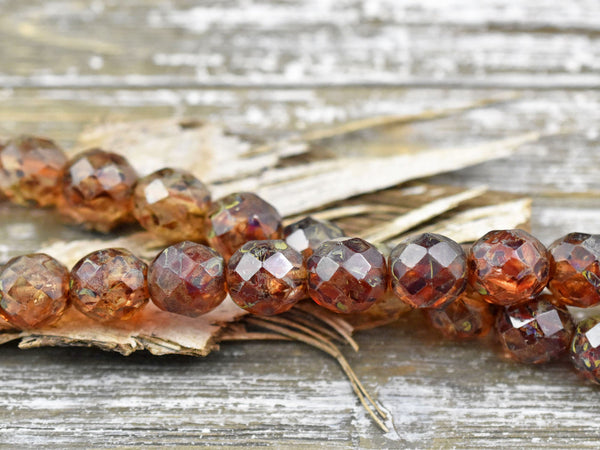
(467, 317)
(307, 234)
(98, 190)
(534, 332)
(575, 271)
(508, 267)
(266, 277)
(172, 204)
(428, 270)
(109, 284)
(239, 218)
(188, 279)
(585, 349)
(346, 275)
(34, 290)
(31, 171)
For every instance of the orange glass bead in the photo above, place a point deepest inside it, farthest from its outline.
(508, 267)
(428, 270)
(266, 277)
(172, 204)
(347, 275)
(307, 234)
(31, 171)
(467, 317)
(575, 271)
(109, 284)
(98, 190)
(240, 218)
(34, 290)
(534, 332)
(585, 349)
(188, 279)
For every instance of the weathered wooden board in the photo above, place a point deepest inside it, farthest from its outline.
(264, 68)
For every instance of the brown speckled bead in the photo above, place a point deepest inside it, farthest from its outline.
(585, 349)
(508, 267)
(172, 204)
(31, 171)
(239, 218)
(98, 190)
(575, 272)
(428, 270)
(109, 284)
(266, 277)
(467, 317)
(307, 234)
(188, 279)
(534, 332)
(347, 275)
(34, 290)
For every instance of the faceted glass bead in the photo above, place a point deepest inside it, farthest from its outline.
(109, 284)
(31, 170)
(239, 218)
(585, 349)
(173, 204)
(346, 275)
(575, 271)
(467, 317)
(188, 279)
(534, 332)
(508, 267)
(307, 234)
(34, 290)
(428, 270)
(98, 190)
(266, 277)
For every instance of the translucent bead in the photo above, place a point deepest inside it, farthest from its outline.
(534, 332)
(467, 317)
(31, 170)
(34, 290)
(428, 270)
(188, 279)
(98, 190)
(109, 284)
(266, 277)
(575, 272)
(347, 275)
(307, 234)
(585, 349)
(508, 267)
(172, 204)
(240, 218)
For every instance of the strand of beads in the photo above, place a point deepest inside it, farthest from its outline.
(498, 285)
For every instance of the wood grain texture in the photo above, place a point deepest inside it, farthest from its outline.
(264, 68)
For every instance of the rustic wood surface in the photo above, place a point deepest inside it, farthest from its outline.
(264, 68)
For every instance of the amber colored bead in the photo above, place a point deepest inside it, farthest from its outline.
(34, 290)
(240, 218)
(467, 317)
(173, 204)
(508, 267)
(188, 279)
(428, 270)
(31, 171)
(109, 284)
(534, 332)
(266, 277)
(575, 270)
(98, 190)
(347, 275)
(307, 234)
(585, 349)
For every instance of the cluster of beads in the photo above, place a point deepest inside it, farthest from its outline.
(267, 268)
